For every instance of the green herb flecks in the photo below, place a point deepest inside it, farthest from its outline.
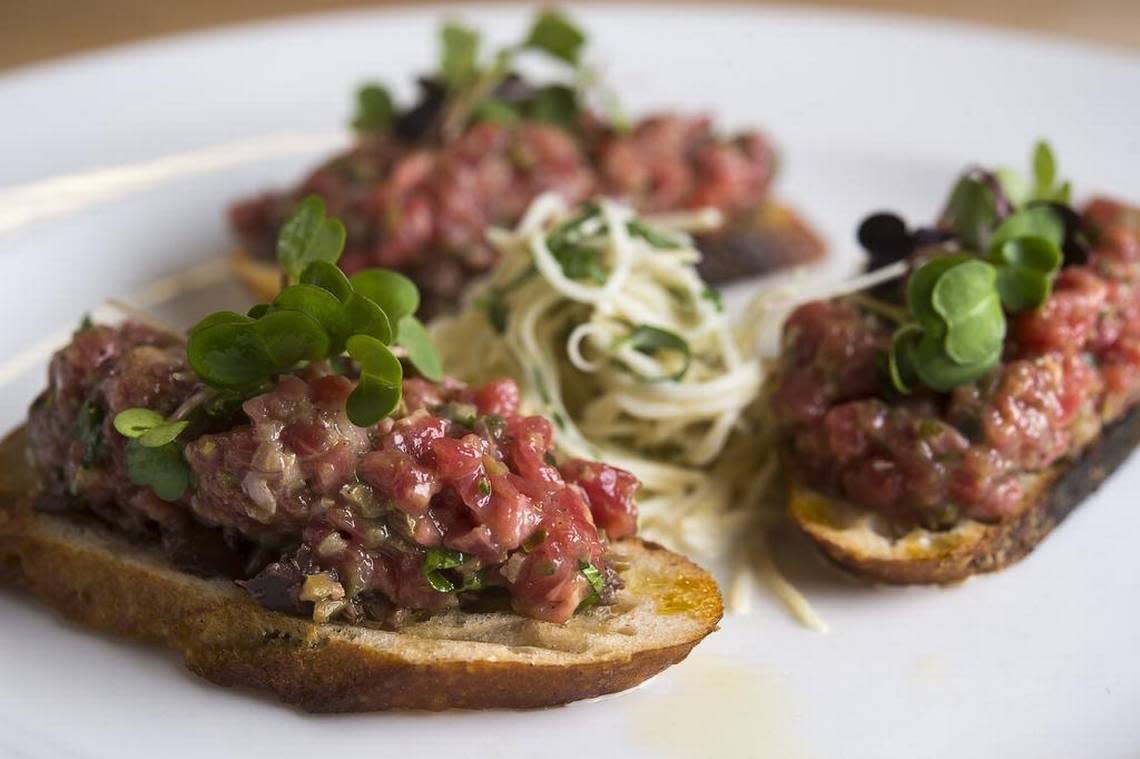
(658, 238)
(596, 581)
(660, 344)
(89, 430)
(713, 296)
(534, 540)
(436, 564)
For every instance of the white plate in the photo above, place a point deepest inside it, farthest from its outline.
(870, 111)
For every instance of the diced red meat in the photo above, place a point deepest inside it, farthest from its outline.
(364, 505)
(1069, 365)
(610, 492)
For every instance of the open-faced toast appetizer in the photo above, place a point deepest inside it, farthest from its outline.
(270, 496)
(421, 184)
(943, 423)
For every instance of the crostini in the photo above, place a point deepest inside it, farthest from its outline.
(272, 497)
(943, 423)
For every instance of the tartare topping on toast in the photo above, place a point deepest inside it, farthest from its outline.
(454, 498)
(931, 456)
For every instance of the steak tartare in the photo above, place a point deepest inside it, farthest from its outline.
(420, 186)
(932, 458)
(455, 499)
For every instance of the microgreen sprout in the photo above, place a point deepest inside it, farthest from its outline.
(319, 316)
(469, 86)
(1007, 245)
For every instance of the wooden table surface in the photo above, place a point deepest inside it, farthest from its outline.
(36, 30)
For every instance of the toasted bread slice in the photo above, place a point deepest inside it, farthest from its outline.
(771, 238)
(453, 660)
(260, 276)
(855, 539)
(768, 239)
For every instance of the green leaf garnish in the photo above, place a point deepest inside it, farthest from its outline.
(393, 292)
(1044, 169)
(438, 559)
(653, 341)
(225, 317)
(1033, 221)
(377, 394)
(308, 236)
(328, 276)
(555, 104)
(554, 34)
(713, 296)
(972, 210)
(375, 111)
(597, 584)
(958, 302)
(1025, 276)
(581, 262)
(322, 307)
(966, 298)
(414, 337)
(89, 430)
(1045, 185)
(317, 318)
(959, 325)
(939, 372)
(148, 427)
(900, 358)
(658, 238)
(459, 47)
(534, 540)
(163, 469)
(243, 354)
(367, 318)
(135, 422)
(496, 111)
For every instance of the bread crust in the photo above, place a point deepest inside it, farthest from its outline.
(926, 557)
(100, 580)
(262, 278)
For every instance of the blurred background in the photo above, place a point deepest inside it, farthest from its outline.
(36, 30)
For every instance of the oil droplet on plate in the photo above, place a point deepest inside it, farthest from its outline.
(717, 707)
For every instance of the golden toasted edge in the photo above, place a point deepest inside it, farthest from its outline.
(227, 638)
(261, 278)
(927, 557)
